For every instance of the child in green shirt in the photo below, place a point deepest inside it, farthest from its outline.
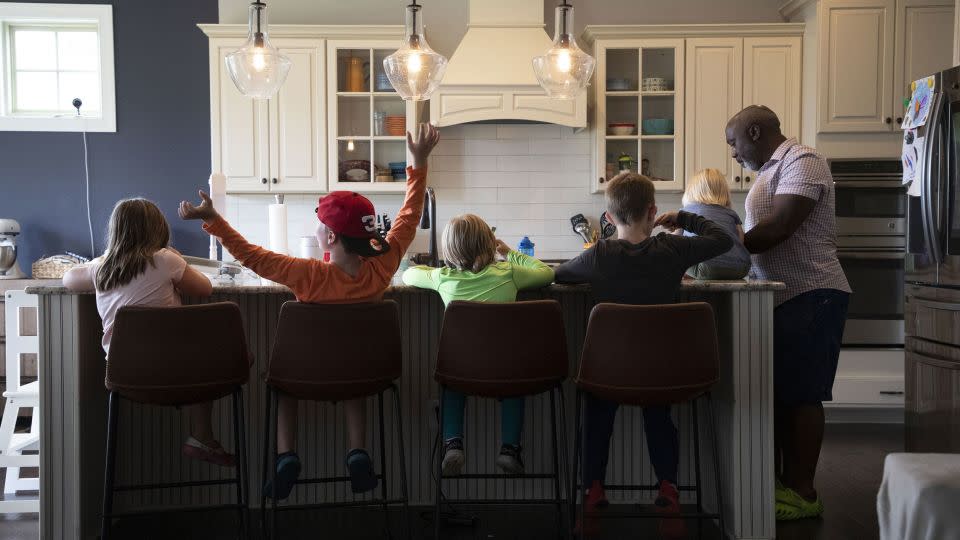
(472, 273)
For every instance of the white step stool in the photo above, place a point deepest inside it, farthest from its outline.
(919, 497)
(19, 396)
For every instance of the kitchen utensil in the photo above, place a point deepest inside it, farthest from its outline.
(351, 164)
(619, 84)
(582, 227)
(658, 126)
(9, 269)
(358, 73)
(622, 128)
(607, 229)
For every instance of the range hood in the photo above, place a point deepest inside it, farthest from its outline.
(490, 76)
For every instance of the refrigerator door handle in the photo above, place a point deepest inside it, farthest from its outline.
(926, 198)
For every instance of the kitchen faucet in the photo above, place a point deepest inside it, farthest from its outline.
(428, 220)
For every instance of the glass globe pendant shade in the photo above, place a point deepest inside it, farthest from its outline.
(564, 70)
(415, 70)
(258, 69)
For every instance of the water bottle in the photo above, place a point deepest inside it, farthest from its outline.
(526, 246)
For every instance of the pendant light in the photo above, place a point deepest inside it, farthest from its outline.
(415, 70)
(564, 70)
(258, 69)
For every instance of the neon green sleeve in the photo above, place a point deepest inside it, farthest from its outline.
(421, 276)
(529, 273)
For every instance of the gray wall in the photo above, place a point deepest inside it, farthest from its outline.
(161, 149)
(446, 20)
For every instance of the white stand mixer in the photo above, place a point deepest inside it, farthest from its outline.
(9, 269)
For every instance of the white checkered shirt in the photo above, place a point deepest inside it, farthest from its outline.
(808, 259)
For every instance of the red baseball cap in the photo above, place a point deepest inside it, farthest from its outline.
(352, 215)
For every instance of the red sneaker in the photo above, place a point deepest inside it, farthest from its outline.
(668, 503)
(596, 500)
(195, 449)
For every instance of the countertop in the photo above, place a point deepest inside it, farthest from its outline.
(258, 287)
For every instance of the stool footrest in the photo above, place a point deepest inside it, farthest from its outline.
(175, 485)
(173, 510)
(639, 487)
(331, 480)
(343, 504)
(494, 476)
(468, 502)
(653, 515)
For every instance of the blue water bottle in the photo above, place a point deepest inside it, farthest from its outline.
(525, 246)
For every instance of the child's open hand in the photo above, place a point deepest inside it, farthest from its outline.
(205, 211)
(668, 221)
(502, 248)
(427, 137)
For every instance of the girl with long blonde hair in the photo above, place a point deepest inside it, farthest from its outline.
(708, 195)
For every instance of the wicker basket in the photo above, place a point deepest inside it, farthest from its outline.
(52, 268)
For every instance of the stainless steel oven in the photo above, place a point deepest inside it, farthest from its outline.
(871, 209)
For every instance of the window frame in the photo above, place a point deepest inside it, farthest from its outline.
(57, 17)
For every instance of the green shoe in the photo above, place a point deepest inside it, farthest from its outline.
(791, 506)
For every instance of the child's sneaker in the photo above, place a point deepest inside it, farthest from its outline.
(668, 503)
(453, 457)
(362, 477)
(195, 449)
(288, 470)
(510, 460)
(596, 499)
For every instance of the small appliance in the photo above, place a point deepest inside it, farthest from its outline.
(9, 269)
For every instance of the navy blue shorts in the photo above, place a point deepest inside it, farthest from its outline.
(807, 330)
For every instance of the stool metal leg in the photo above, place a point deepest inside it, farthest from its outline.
(383, 464)
(583, 463)
(716, 462)
(564, 459)
(556, 463)
(266, 462)
(113, 414)
(439, 492)
(403, 463)
(274, 415)
(239, 443)
(696, 463)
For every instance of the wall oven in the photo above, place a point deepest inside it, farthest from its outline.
(871, 245)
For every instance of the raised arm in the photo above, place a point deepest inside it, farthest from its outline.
(711, 239)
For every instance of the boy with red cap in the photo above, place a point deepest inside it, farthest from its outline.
(362, 263)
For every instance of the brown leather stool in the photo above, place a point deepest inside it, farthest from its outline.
(335, 352)
(505, 350)
(172, 357)
(646, 356)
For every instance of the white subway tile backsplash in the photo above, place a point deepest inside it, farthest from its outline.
(546, 147)
(446, 196)
(530, 163)
(448, 147)
(469, 131)
(529, 131)
(464, 163)
(561, 179)
(576, 163)
(504, 147)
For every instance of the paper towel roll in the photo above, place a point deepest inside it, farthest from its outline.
(277, 223)
(218, 194)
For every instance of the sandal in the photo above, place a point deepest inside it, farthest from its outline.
(215, 455)
(791, 506)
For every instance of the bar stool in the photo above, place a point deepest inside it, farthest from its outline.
(330, 353)
(173, 357)
(505, 350)
(648, 356)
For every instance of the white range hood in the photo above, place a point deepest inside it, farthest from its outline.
(490, 76)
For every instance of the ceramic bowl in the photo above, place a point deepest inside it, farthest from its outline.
(658, 126)
(622, 129)
(619, 84)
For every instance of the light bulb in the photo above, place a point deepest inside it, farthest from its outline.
(563, 60)
(414, 63)
(350, 146)
(258, 61)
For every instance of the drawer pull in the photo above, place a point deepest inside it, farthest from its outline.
(891, 393)
(948, 306)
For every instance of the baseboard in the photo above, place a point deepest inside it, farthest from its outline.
(849, 414)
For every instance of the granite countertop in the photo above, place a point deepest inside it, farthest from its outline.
(256, 287)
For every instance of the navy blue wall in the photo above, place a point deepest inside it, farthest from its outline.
(161, 149)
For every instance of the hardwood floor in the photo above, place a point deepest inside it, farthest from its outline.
(850, 473)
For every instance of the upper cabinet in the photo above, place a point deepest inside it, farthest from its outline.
(869, 52)
(724, 75)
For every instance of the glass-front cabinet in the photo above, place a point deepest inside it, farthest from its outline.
(367, 119)
(638, 104)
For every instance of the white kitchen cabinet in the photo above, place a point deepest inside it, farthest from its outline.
(724, 75)
(870, 51)
(654, 145)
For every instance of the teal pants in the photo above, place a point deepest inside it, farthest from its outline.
(511, 417)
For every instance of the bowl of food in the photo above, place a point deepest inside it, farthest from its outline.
(620, 84)
(621, 128)
(354, 170)
(658, 126)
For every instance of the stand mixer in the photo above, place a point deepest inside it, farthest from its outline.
(9, 229)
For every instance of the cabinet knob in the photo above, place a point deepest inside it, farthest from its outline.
(746, 179)
(888, 120)
(274, 180)
(602, 179)
(263, 180)
(736, 179)
(899, 119)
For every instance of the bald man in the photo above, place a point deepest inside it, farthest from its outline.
(791, 235)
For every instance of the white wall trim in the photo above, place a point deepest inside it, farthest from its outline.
(102, 16)
(342, 31)
(614, 31)
(790, 8)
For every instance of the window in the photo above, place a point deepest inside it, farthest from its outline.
(51, 54)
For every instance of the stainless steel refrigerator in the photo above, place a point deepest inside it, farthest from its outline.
(932, 280)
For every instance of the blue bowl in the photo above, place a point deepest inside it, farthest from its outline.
(657, 126)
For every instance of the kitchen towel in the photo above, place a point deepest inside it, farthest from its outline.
(277, 224)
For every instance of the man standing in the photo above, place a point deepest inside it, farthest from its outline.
(791, 234)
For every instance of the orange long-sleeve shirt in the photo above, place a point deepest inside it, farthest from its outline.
(319, 282)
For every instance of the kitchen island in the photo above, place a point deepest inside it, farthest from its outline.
(74, 413)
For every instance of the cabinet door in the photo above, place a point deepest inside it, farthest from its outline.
(297, 128)
(924, 44)
(238, 125)
(856, 65)
(714, 94)
(771, 77)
